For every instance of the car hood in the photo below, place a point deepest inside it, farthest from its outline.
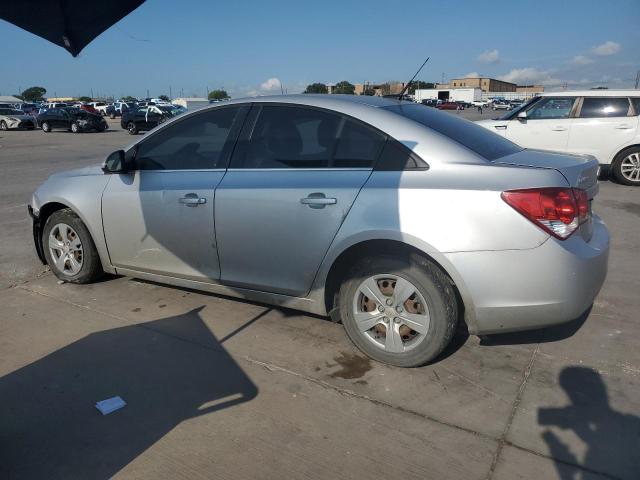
(80, 172)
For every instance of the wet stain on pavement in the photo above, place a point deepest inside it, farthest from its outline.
(626, 206)
(161, 306)
(137, 309)
(351, 366)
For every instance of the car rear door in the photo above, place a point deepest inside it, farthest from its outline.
(159, 217)
(546, 126)
(602, 127)
(293, 177)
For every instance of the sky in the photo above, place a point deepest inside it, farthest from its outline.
(262, 47)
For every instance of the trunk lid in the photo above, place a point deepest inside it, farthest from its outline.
(581, 171)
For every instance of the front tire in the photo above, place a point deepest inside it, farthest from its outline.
(402, 312)
(131, 128)
(4, 126)
(69, 248)
(46, 127)
(75, 128)
(626, 167)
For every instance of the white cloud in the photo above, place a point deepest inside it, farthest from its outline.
(530, 75)
(472, 75)
(271, 85)
(581, 60)
(607, 48)
(489, 56)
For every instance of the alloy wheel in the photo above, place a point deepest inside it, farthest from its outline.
(391, 313)
(630, 167)
(65, 249)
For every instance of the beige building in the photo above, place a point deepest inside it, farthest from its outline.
(380, 89)
(485, 84)
(529, 89)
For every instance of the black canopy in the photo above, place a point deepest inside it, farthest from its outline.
(72, 24)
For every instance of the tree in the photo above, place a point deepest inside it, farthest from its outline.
(316, 88)
(85, 99)
(344, 87)
(34, 94)
(129, 98)
(218, 95)
(164, 98)
(418, 85)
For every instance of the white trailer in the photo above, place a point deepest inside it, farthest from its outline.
(191, 103)
(448, 94)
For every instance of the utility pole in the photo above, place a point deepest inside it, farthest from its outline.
(170, 94)
(147, 93)
(637, 78)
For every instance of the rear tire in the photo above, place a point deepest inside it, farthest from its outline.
(431, 305)
(46, 127)
(60, 236)
(626, 167)
(131, 128)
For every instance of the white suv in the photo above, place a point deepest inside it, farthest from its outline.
(602, 123)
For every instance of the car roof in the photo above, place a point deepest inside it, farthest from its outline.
(317, 99)
(593, 93)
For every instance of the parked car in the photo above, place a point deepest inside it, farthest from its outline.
(101, 107)
(88, 108)
(396, 219)
(11, 118)
(120, 108)
(145, 118)
(55, 105)
(27, 108)
(481, 103)
(449, 106)
(72, 119)
(501, 106)
(602, 123)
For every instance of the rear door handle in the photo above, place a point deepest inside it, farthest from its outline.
(318, 200)
(623, 126)
(192, 200)
(559, 128)
(500, 127)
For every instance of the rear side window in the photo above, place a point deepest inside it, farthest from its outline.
(600, 107)
(297, 137)
(198, 142)
(474, 137)
(636, 104)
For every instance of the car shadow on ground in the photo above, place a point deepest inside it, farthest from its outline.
(611, 438)
(50, 428)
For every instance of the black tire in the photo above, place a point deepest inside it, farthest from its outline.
(616, 167)
(91, 269)
(46, 127)
(3, 125)
(75, 128)
(131, 128)
(431, 283)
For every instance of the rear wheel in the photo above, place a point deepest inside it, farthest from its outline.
(69, 248)
(46, 127)
(626, 167)
(75, 128)
(399, 312)
(131, 128)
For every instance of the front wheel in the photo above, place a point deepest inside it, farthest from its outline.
(75, 128)
(131, 128)
(399, 312)
(46, 127)
(626, 167)
(3, 125)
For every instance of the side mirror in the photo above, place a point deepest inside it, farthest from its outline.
(115, 163)
(522, 115)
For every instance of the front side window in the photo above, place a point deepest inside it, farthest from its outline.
(297, 137)
(198, 142)
(599, 107)
(551, 107)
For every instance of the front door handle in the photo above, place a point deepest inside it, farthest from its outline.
(500, 127)
(318, 200)
(559, 128)
(192, 200)
(623, 126)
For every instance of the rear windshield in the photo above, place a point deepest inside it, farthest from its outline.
(476, 138)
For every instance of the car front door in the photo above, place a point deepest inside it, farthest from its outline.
(293, 177)
(602, 127)
(546, 126)
(159, 217)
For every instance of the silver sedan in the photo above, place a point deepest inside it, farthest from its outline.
(14, 119)
(395, 219)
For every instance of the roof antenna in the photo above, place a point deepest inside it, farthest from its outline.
(412, 79)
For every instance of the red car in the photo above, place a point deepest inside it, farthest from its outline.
(88, 108)
(449, 106)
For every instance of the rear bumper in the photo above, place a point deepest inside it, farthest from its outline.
(516, 290)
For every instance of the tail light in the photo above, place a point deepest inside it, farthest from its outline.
(559, 211)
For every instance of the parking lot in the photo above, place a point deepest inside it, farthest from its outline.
(221, 388)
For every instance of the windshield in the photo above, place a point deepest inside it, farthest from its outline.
(474, 137)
